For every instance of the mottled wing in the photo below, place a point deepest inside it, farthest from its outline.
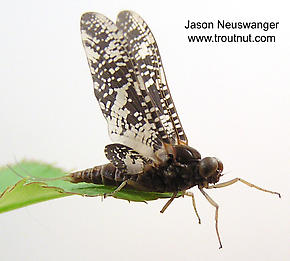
(144, 51)
(130, 113)
(126, 159)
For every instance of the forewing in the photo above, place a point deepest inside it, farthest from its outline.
(126, 159)
(130, 113)
(144, 51)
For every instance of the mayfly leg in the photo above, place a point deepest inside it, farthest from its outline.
(232, 181)
(168, 202)
(129, 182)
(213, 203)
(190, 194)
(122, 185)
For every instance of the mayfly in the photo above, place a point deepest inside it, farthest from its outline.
(151, 151)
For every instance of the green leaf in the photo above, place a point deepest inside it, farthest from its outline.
(36, 186)
(23, 194)
(16, 192)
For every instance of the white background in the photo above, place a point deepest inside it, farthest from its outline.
(233, 100)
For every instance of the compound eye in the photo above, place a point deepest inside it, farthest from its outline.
(220, 166)
(209, 166)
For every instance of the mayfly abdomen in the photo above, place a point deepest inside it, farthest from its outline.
(106, 174)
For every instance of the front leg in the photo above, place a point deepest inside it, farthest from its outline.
(232, 181)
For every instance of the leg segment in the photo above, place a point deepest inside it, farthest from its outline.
(122, 185)
(230, 182)
(190, 194)
(128, 182)
(168, 202)
(213, 203)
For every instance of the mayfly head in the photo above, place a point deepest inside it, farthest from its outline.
(211, 169)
